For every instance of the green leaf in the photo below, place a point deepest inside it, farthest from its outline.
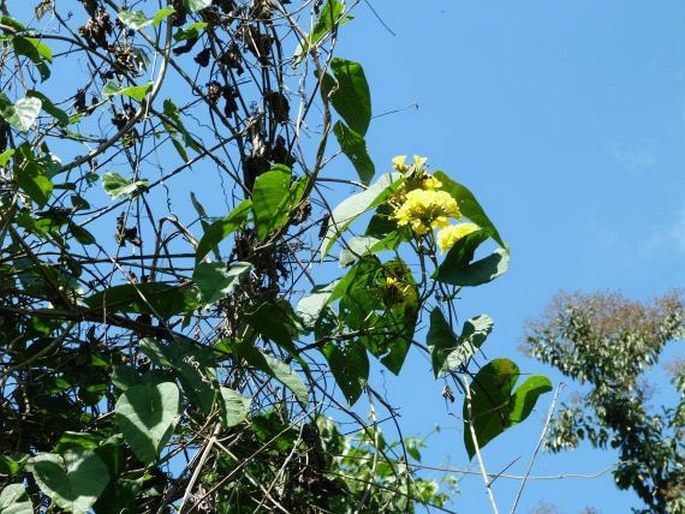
(273, 367)
(172, 112)
(440, 339)
(386, 317)
(74, 481)
(152, 298)
(473, 334)
(161, 15)
(12, 465)
(125, 376)
(235, 407)
(349, 364)
(355, 248)
(216, 281)
(469, 206)
(275, 321)
(272, 199)
(32, 48)
(147, 415)
(192, 32)
(33, 180)
(49, 107)
(137, 20)
(23, 114)
(309, 308)
(480, 272)
(354, 146)
(134, 19)
(194, 366)
(457, 268)
(526, 396)
(14, 500)
(6, 156)
(38, 52)
(137, 92)
(349, 94)
(117, 186)
(330, 17)
(70, 440)
(495, 406)
(81, 234)
(196, 5)
(354, 206)
(220, 230)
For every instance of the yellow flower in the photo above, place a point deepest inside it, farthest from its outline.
(398, 163)
(424, 210)
(430, 182)
(450, 235)
(415, 175)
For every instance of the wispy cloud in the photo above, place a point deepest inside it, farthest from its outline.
(638, 156)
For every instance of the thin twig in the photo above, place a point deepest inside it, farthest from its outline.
(543, 434)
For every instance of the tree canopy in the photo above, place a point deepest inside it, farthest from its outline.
(609, 342)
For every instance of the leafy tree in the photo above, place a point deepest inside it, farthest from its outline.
(169, 340)
(609, 342)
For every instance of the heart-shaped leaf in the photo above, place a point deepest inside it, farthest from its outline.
(196, 5)
(74, 481)
(13, 500)
(216, 281)
(147, 415)
(22, 115)
(495, 406)
(234, 408)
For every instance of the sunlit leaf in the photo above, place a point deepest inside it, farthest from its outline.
(137, 92)
(349, 94)
(473, 334)
(196, 5)
(309, 308)
(349, 364)
(49, 107)
(495, 406)
(74, 481)
(273, 367)
(194, 365)
(215, 280)
(235, 407)
(469, 206)
(354, 206)
(220, 230)
(117, 186)
(38, 52)
(271, 201)
(354, 146)
(23, 114)
(147, 415)
(151, 298)
(14, 500)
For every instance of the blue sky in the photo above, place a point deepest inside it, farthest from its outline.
(567, 119)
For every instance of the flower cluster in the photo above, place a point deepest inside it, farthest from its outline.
(422, 206)
(424, 210)
(450, 235)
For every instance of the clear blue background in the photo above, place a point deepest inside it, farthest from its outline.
(567, 119)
